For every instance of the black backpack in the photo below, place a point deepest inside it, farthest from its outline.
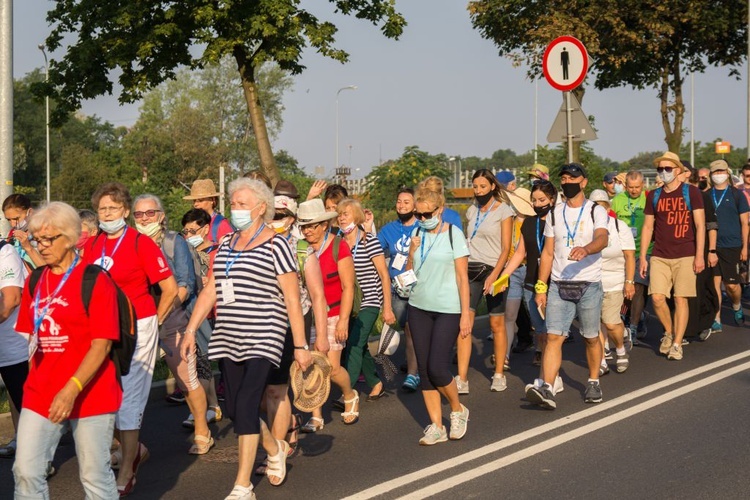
(122, 350)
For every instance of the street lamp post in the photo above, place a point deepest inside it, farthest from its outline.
(46, 101)
(348, 87)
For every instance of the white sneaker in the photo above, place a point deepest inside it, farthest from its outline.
(462, 385)
(499, 383)
(538, 382)
(558, 385)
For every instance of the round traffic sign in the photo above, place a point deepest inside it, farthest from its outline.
(565, 63)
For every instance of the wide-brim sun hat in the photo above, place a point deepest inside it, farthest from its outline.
(312, 387)
(313, 211)
(202, 188)
(670, 157)
(281, 202)
(520, 199)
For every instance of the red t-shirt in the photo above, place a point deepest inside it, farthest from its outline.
(65, 337)
(223, 229)
(331, 279)
(132, 270)
(674, 231)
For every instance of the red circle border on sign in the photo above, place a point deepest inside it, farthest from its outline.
(577, 43)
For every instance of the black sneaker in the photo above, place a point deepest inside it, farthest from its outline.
(593, 393)
(541, 396)
(176, 398)
(523, 347)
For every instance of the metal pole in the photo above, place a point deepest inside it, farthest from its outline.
(6, 104)
(348, 87)
(569, 119)
(536, 116)
(692, 119)
(748, 80)
(221, 189)
(46, 101)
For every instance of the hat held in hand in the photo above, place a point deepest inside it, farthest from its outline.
(311, 387)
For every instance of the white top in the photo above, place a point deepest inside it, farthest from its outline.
(484, 238)
(14, 346)
(575, 235)
(613, 260)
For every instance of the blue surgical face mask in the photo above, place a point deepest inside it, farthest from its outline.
(619, 188)
(112, 226)
(242, 219)
(195, 240)
(429, 224)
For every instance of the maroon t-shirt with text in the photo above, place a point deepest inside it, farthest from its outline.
(674, 232)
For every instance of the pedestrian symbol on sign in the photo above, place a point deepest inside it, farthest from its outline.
(565, 61)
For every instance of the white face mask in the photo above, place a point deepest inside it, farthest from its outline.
(151, 229)
(349, 228)
(667, 177)
(112, 226)
(619, 188)
(719, 178)
(195, 240)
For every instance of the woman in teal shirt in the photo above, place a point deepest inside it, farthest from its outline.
(438, 311)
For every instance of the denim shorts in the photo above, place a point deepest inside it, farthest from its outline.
(540, 326)
(399, 306)
(561, 313)
(515, 288)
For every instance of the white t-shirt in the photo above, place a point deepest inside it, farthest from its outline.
(569, 234)
(613, 260)
(14, 347)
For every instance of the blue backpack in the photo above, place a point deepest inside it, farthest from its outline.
(685, 196)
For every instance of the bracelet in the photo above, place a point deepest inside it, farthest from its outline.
(77, 383)
(189, 330)
(540, 287)
(630, 282)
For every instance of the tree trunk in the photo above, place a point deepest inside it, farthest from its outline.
(672, 131)
(255, 110)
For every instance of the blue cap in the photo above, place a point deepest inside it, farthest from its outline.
(505, 177)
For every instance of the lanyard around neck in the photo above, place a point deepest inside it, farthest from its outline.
(713, 195)
(572, 236)
(117, 245)
(422, 254)
(480, 218)
(40, 314)
(230, 260)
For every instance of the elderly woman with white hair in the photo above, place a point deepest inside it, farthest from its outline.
(72, 381)
(254, 288)
(151, 221)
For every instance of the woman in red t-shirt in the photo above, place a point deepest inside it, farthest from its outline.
(338, 285)
(72, 379)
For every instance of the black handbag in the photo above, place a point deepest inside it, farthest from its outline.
(479, 271)
(572, 291)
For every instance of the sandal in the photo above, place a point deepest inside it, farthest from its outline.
(292, 435)
(315, 424)
(201, 444)
(276, 467)
(262, 467)
(374, 397)
(241, 493)
(351, 413)
(116, 457)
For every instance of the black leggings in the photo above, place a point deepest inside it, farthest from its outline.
(434, 335)
(14, 376)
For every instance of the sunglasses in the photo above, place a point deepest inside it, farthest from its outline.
(310, 227)
(191, 232)
(424, 215)
(281, 216)
(146, 213)
(665, 169)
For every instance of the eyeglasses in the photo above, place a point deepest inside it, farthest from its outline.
(190, 232)
(665, 169)
(108, 210)
(45, 241)
(424, 215)
(146, 213)
(310, 227)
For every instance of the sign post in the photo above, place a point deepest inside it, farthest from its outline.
(565, 64)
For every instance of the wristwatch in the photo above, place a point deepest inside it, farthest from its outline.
(304, 347)
(712, 251)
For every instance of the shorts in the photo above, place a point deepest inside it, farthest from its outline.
(185, 373)
(729, 265)
(560, 313)
(332, 343)
(495, 303)
(399, 306)
(515, 289)
(539, 324)
(668, 274)
(244, 386)
(136, 385)
(611, 307)
(637, 278)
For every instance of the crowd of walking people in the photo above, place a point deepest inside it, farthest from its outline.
(284, 282)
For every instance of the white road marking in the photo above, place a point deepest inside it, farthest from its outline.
(385, 487)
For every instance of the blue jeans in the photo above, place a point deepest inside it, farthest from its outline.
(515, 288)
(37, 440)
(561, 313)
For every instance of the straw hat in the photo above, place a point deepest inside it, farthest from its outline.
(520, 199)
(539, 171)
(312, 211)
(312, 387)
(670, 157)
(202, 188)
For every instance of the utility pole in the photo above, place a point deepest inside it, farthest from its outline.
(6, 104)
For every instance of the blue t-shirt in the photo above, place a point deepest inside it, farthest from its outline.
(728, 210)
(395, 239)
(452, 217)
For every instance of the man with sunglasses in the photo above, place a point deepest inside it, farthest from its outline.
(574, 237)
(675, 220)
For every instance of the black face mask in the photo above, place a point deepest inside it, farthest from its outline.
(405, 217)
(543, 211)
(482, 199)
(702, 185)
(571, 189)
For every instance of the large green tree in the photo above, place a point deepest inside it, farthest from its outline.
(637, 43)
(143, 42)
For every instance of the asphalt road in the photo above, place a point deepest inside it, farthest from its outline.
(666, 429)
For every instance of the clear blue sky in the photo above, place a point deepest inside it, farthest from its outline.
(440, 87)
